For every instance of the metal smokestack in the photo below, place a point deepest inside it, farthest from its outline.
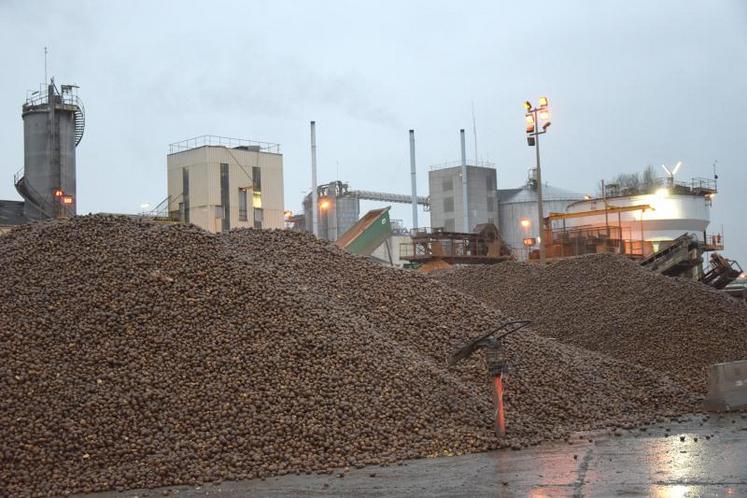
(314, 195)
(414, 182)
(465, 199)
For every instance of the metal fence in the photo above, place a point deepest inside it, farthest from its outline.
(214, 140)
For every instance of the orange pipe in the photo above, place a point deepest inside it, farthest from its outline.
(500, 420)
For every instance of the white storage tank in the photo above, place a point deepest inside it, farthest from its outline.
(673, 211)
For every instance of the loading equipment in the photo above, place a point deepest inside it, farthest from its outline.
(682, 256)
(722, 272)
(496, 362)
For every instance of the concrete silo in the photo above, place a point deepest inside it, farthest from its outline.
(53, 125)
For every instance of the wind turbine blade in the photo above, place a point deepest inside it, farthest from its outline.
(676, 168)
(669, 173)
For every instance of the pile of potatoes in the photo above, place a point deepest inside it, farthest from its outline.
(134, 354)
(612, 305)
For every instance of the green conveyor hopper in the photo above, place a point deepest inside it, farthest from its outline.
(372, 230)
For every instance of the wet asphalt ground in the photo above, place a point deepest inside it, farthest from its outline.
(697, 455)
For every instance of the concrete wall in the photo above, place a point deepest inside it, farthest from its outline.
(394, 245)
(447, 203)
(203, 165)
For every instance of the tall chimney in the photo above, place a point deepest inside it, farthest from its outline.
(465, 199)
(414, 182)
(314, 195)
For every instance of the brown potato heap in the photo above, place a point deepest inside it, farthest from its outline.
(612, 305)
(134, 354)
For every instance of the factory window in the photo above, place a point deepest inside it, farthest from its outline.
(257, 179)
(258, 217)
(448, 204)
(242, 204)
(225, 198)
(448, 184)
(491, 204)
(490, 183)
(449, 225)
(184, 208)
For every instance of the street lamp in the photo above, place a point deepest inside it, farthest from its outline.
(534, 116)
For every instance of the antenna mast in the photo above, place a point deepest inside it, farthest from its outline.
(45, 65)
(474, 130)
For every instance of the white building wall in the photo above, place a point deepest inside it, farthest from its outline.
(203, 164)
(395, 241)
(671, 216)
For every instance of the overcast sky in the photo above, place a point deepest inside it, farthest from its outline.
(630, 83)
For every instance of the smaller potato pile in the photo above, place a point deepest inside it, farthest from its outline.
(139, 355)
(609, 304)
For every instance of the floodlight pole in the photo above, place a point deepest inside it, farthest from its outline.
(538, 179)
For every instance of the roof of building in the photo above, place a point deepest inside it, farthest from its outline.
(458, 164)
(11, 213)
(528, 193)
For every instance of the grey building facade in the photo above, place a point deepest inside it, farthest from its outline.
(447, 201)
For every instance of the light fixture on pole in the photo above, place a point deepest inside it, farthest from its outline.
(536, 117)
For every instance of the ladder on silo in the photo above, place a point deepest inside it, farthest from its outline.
(80, 121)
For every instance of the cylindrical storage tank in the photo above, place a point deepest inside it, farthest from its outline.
(49, 152)
(671, 215)
(347, 209)
(517, 215)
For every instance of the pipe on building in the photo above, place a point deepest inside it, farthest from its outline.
(414, 182)
(465, 198)
(314, 194)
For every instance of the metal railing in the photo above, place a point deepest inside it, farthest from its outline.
(67, 96)
(695, 186)
(218, 141)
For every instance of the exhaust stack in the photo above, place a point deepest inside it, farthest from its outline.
(314, 194)
(414, 182)
(465, 199)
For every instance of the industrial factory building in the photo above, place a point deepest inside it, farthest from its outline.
(447, 196)
(339, 208)
(220, 183)
(53, 126)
